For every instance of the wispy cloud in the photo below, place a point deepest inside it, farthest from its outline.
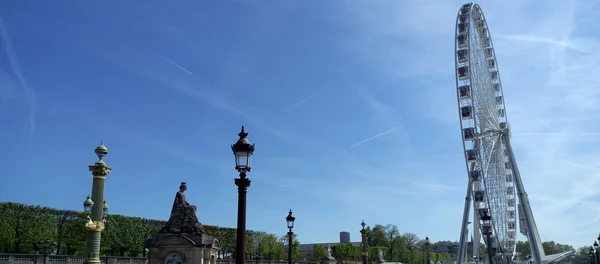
(376, 136)
(543, 40)
(555, 134)
(301, 102)
(172, 62)
(153, 177)
(14, 65)
(579, 165)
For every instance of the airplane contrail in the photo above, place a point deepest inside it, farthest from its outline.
(13, 63)
(170, 61)
(376, 136)
(153, 177)
(301, 102)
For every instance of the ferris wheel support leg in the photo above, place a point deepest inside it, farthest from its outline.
(535, 243)
(476, 231)
(462, 248)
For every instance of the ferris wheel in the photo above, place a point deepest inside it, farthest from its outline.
(488, 156)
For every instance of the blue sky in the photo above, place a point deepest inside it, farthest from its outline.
(351, 104)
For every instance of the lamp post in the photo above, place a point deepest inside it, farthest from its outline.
(427, 249)
(45, 246)
(242, 150)
(95, 222)
(290, 225)
(363, 234)
(597, 251)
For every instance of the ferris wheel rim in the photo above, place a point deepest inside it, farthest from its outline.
(471, 9)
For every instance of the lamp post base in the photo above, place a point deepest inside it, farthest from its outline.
(91, 261)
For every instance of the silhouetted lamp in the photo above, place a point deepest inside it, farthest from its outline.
(290, 224)
(242, 150)
(290, 220)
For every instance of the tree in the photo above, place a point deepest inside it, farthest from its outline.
(257, 239)
(347, 251)
(411, 243)
(271, 248)
(73, 235)
(318, 252)
(581, 255)
(23, 225)
(392, 235)
(523, 250)
(227, 237)
(378, 237)
(284, 240)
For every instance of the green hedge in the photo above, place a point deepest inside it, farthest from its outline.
(23, 225)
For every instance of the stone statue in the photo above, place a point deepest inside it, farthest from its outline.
(380, 256)
(329, 255)
(183, 217)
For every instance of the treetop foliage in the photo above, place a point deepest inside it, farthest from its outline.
(24, 225)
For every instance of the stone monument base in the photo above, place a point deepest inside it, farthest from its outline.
(182, 248)
(328, 261)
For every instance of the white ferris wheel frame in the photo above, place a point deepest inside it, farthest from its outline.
(485, 136)
(478, 53)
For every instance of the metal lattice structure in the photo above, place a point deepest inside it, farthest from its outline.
(494, 183)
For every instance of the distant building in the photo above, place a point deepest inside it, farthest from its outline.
(451, 248)
(446, 247)
(344, 237)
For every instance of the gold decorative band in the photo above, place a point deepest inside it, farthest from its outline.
(97, 226)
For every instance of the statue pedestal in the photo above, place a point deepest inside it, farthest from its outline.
(182, 248)
(328, 260)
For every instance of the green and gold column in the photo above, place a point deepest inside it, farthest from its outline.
(95, 222)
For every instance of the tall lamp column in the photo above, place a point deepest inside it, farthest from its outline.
(597, 250)
(95, 222)
(427, 249)
(290, 224)
(242, 150)
(45, 247)
(363, 234)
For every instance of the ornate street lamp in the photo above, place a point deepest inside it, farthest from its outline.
(45, 247)
(290, 225)
(597, 251)
(88, 204)
(95, 222)
(105, 209)
(427, 249)
(363, 234)
(242, 150)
